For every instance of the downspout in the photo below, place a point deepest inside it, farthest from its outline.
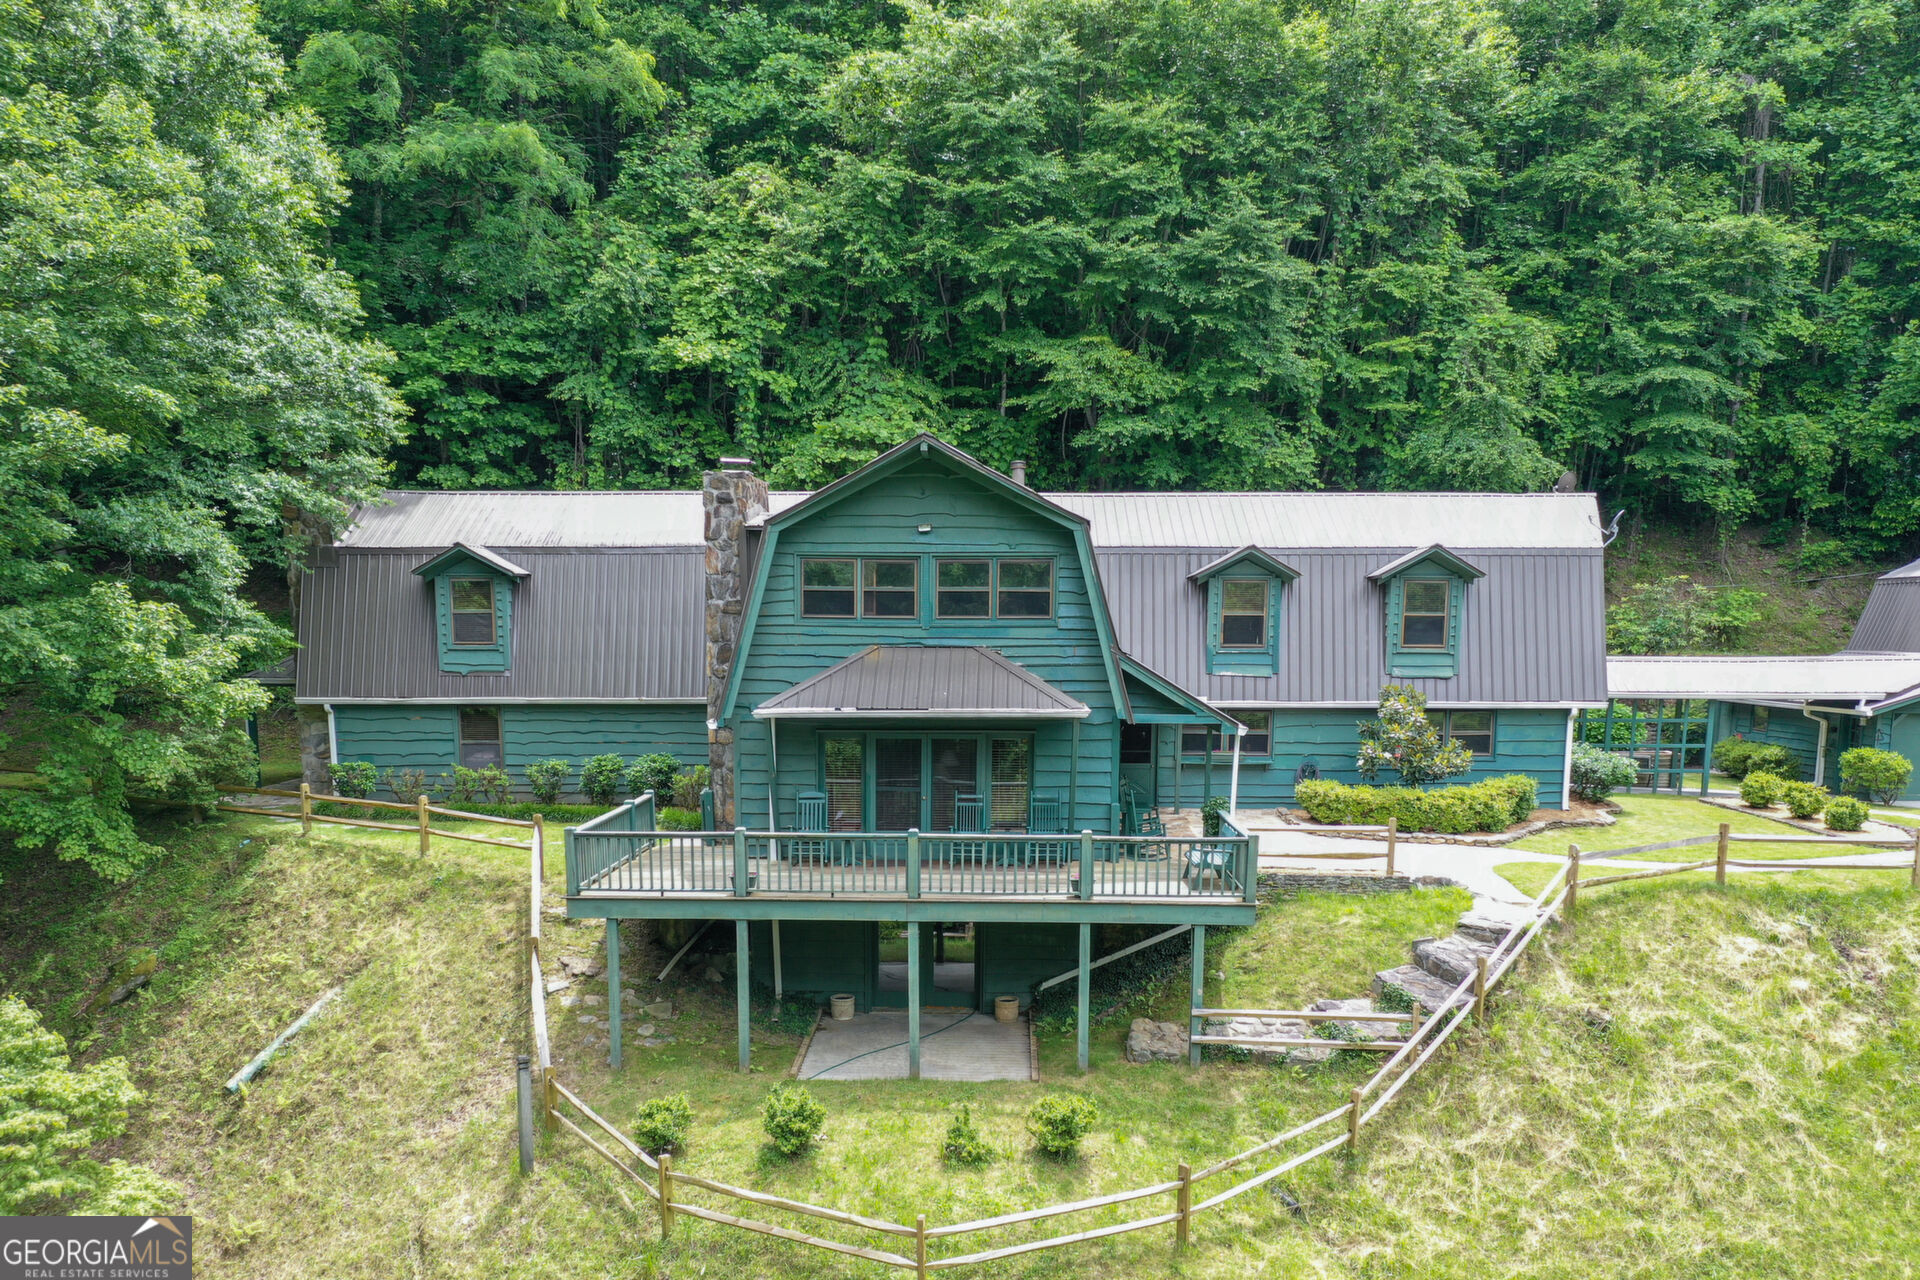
(1233, 783)
(1820, 747)
(773, 772)
(1566, 766)
(333, 738)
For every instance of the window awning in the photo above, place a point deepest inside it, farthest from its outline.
(957, 682)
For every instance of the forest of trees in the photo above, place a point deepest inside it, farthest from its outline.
(254, 264)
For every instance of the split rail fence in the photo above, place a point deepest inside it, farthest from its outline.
(669, 1188)
(423, 814)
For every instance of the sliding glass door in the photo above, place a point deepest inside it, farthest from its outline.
(897, 782)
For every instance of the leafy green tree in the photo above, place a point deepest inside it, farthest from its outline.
(1677, 615)
(50, 1115)
(181, 393)
(1403, 739)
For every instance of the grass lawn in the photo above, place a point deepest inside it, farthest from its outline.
(1646, 819)
(1708, 1084)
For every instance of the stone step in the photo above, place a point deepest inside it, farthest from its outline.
(1429, 992)
(1360, 1026)
(1491, 923)
(1452, 958)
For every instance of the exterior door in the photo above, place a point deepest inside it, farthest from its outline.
(956, 773)
(1904, 738)
(896, 784)
(1137, 769)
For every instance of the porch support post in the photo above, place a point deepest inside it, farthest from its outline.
(913, 999)
(1206, 780)
(742, 992)
(613, 990)
(1080, 1003)
(1196, 998)
(1706, 751)
(1233, 788)
(1073, 779)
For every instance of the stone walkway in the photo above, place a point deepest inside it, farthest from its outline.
(954, 1045)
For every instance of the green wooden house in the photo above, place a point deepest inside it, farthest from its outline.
(1818, 706)
(929, 693)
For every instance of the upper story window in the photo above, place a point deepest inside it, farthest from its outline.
(859, 588)
(1425, 612)
(993, 589)
(473, 613)
(1244, 612)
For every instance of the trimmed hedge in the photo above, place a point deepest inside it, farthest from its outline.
(1804, 800)
(1759, 789)
(1492, 804)
(1845, 813)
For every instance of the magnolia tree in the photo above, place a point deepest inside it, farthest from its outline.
(1404, 740)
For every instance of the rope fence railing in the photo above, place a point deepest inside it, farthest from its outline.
(1432, 1029)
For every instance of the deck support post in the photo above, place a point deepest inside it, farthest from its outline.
(1084, 991)
(743, 992)
(613, 991)
(1206, 778)
(913, 1000)
(1196, 998)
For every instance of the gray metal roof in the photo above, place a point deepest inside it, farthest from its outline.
(955, 681)
(1533, 631)
(420, 519)
(612, 608)
(1831, 677)
(606, 625)
(1891, 621)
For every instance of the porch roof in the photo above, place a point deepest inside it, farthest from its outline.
(953, 681)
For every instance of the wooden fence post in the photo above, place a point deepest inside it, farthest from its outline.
(1573, 879)
(306, 810)
(666, 1197)
(1183, 1228)
(920, 1245)
(1480, 990)
(1720, 858)
(1353, 1121)
(426, 835)
(1393, 838)
(1913, 878)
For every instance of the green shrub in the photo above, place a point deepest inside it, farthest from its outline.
(1760, 788)
(1803, 799)
(1737, 757)
(1059, 1121)
(1597, 773)
(1845, 813)
(672, 819)
(792, 1118)
(353, 778)
(1211, 810)
(547, 778)
(1492, 804)
(687, 787)
(1881, 774)
(465, 786)
(600, 778)
(653, 773)
(964, 1144)
(663, 1124)
(407, 785)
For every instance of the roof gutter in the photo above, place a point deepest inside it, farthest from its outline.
(972, 713)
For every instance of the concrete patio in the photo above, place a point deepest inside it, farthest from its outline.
(955, 1044)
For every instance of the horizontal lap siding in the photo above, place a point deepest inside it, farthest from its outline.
(818, 958)
(1785, 728)
(427, 738)
(1533, 742)
(881, 522)
(1015, 956)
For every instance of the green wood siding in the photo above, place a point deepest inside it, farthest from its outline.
(818, 958)
(406, 736)
(466, 659)
(882, 521)
(1015, 956)
(1785, 728)
(1530, 741)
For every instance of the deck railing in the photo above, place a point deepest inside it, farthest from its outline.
(618, 852)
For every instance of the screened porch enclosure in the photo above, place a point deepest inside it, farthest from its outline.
(935, 782)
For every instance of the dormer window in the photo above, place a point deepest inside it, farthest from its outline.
(1243, 594)
(1426, 593)
(1244, 612)
(1424, 613)
(474, 622)
(473, 591)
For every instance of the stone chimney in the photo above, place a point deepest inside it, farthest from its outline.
(732, 498)
(1018, 472)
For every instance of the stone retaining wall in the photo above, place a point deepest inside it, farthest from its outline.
(1289, 883)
